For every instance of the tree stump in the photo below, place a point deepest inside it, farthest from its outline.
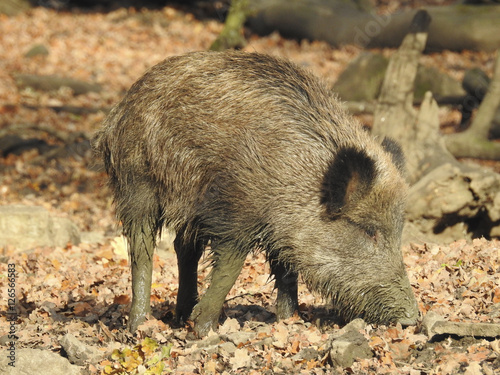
(448, 200)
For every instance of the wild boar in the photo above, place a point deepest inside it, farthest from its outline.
(244, 149)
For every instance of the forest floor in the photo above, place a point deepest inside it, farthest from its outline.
(84, 289)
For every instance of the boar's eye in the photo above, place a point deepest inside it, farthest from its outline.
(372, 233)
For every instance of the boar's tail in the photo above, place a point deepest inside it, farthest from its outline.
(96, 143)
(100, 141)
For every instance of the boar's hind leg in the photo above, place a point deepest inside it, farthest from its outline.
(286, 283)
(141, 247)
(227, 266)
(188, 252)
(140, 214)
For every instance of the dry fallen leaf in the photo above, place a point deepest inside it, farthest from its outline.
(280, 336)
(119, 245)
(241, 359)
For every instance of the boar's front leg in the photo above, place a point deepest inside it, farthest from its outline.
(227, 265)
(286, 283)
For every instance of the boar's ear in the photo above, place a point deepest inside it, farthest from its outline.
(398, 157)
(349, 177)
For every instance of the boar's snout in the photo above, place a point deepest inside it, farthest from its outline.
(410, 313)
(386, 303)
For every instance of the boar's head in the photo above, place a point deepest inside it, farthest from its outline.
(355, 257)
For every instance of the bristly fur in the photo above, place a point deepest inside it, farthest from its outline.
(246, 149)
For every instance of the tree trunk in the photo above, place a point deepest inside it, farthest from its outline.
(13, 7)
(339, 22)
(231, 36)
(417, 133)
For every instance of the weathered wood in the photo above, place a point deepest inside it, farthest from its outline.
(454, 27)
(394, 113)
(448, 200)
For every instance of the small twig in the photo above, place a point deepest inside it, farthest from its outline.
(67, 108)
(243, 295)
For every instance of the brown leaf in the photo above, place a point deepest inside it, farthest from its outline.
(241, 358)
(280, 336)
(122, 299)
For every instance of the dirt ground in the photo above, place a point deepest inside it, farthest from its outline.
(84, 289)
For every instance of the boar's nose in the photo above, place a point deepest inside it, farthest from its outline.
(412, 315)
(409, 320)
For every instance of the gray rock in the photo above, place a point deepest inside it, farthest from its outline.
(437, 82)
(348, 347)
(92, 237)
(430, 319)
(354, 326)
(37, 50)
(435, 325)
(79, 353)
(36, 361)
(238, 338)
(26, 227)
(204, 343)
(363, 77)
(228, 347)
(306, 354)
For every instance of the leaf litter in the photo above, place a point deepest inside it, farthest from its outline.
(85, 290)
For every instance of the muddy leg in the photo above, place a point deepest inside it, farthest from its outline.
(188, 254)
(139, 211)
(227, 266)
(286, 283)
(141, 248)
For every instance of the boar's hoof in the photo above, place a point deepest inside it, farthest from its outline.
(140, 309)
(204, 320)
(135, 320)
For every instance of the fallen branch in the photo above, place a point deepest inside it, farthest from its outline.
(455, 27)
